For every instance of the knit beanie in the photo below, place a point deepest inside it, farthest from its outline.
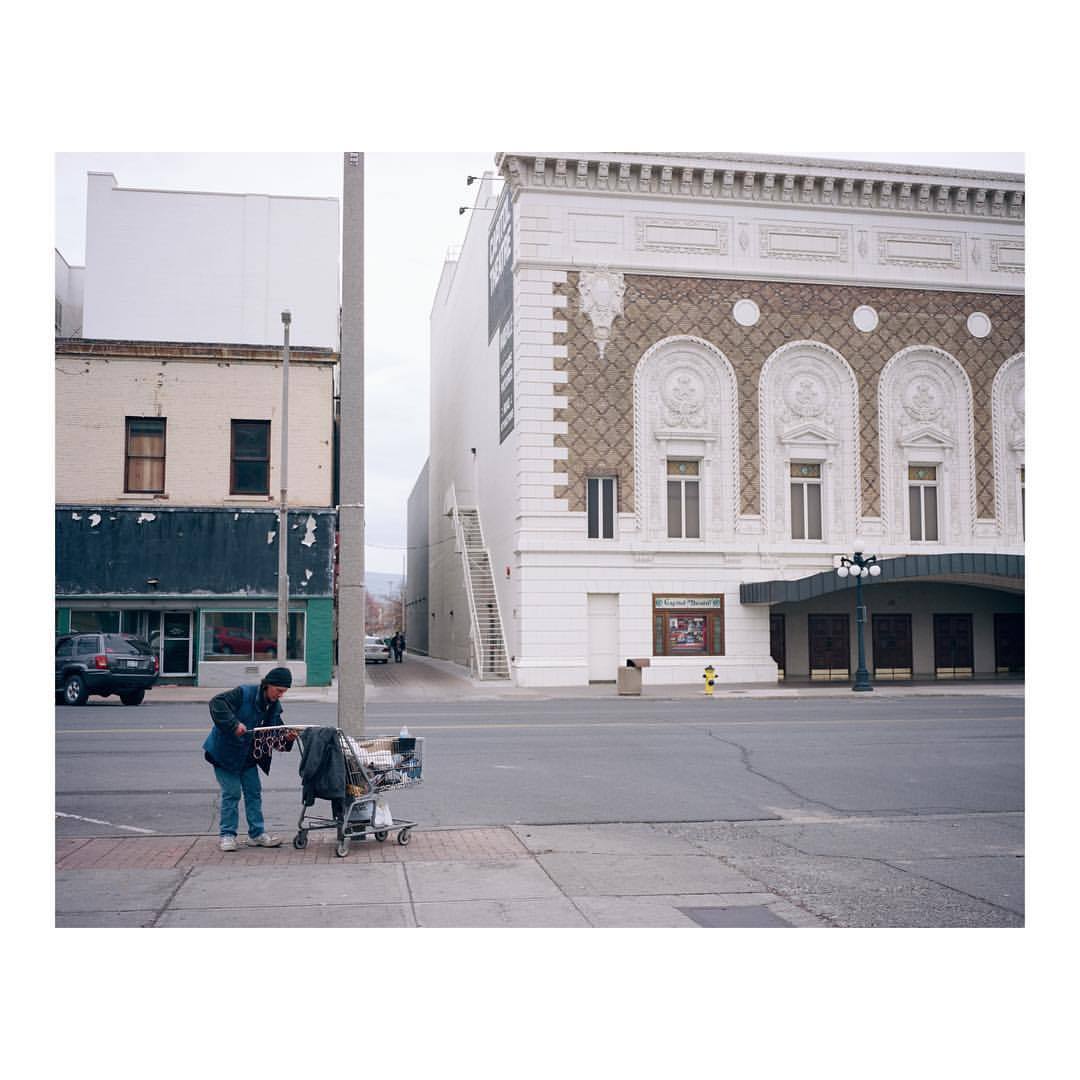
(279, 676)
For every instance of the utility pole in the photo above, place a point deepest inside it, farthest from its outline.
(351, 628)
(283, 512)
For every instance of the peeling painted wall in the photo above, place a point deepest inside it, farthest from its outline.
(190, 552)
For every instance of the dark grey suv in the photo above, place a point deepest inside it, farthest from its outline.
(103, 664)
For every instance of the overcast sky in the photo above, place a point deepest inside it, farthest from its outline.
(411, 219)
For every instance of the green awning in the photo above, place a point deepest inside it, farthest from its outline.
(1005, 572)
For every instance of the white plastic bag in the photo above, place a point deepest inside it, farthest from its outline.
(383, 818)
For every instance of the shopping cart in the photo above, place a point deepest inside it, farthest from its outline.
(373, 768)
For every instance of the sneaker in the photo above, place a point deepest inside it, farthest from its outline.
(228, 843)
(264, 840)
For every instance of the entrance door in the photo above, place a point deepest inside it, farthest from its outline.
(954, 656)
(830, 647)
(603, 636)
(892, 647)
(778, 642)
(175, 654)
(1009, 643)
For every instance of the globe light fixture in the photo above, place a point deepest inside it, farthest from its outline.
(859, 566)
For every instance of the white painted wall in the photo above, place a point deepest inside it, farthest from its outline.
(198, 400)
(202, 267)
(69, 293)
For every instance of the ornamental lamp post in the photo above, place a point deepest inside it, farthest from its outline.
(859, 566)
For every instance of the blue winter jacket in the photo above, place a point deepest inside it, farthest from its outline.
(223, 747)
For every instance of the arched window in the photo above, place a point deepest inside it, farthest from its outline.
(685, 432)
(809, 468)
(927, 454)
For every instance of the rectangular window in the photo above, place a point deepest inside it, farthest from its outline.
(249, 635)
(923, 502)
(805, 501)
(600, 499)
(144, 454)
(250, 458)
(683, 500)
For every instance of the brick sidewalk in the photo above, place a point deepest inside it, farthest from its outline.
(170, 852)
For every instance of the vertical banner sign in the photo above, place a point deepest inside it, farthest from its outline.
(501, 305)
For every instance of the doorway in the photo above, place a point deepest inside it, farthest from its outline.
(830, 647)
(1009, 643)
(778, 643)
(892, 647)
(603, 610)
(954, 656)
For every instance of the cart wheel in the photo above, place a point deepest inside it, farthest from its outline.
(342, 848)
(381, 836)
(403, 837)
(300, 839)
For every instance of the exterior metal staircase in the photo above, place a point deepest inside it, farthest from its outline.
(489, 647)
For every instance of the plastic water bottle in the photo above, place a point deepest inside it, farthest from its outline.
(404, 733)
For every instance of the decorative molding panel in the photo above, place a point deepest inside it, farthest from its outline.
(1007, 256)
(929, 251)
(688, 235)
(814, 243)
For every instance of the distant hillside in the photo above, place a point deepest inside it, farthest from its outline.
(383, 585)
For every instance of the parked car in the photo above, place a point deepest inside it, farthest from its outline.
(375, 650)
(236, 641)
(103, 664)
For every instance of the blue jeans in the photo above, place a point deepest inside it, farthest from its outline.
(233, 785)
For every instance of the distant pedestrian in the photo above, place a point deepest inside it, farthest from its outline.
(399, 646)
(230, 748)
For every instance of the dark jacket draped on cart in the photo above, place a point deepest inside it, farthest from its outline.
(246, 705)
(322, 765)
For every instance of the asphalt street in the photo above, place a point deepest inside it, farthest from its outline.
(888, 811)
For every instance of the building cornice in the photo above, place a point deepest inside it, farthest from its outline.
(108, 349)
(781, 181)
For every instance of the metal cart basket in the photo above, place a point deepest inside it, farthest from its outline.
(373, 768)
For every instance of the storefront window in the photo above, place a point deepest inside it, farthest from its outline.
(249, 635)
(688, 625)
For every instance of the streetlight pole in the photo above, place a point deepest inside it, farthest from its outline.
(283, 512)
(859, 566)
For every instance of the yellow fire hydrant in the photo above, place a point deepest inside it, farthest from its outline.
(710, 680)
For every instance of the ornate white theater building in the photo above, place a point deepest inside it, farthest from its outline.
(670, 391)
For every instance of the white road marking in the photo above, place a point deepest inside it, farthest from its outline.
(94, 821)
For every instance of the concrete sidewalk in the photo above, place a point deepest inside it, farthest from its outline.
(423, 678)
(617, 875)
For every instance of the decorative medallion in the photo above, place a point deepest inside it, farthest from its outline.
(683, 393)
(922, 400)
(746, 312)
(978, 325)
(602, 301)
(865, 319)
(805, 396)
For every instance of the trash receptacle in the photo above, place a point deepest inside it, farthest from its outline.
(629, 679)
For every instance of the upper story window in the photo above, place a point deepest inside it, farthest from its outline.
(250, 458)
(683, 499)
(144, 455)
(923, 501)
(805, 501)
(600, 499)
